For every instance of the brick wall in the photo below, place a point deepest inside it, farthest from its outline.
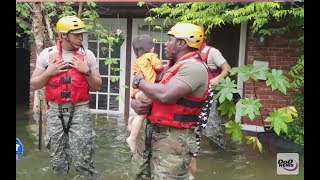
(281, 55)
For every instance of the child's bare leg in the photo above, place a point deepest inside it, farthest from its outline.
(193, 166)
(130, 123)
(135, 128)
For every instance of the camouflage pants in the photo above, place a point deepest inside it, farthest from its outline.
(75, 147)
(171, 152)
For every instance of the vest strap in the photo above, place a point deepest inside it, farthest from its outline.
(189, 103)
(186, 118)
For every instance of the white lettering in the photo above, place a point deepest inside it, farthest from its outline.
(17, 147)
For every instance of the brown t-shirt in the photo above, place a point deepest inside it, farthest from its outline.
(43, 58)
(195, 75)
(215, 58)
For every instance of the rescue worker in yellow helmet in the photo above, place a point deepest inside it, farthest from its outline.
(177, 101)
(67, 71)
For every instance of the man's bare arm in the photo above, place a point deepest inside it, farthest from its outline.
(94, 80)
(224, 72)
(165, 93)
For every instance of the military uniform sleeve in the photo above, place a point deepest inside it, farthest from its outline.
(91, 60)
(195, 75)
(43, 59)
(215, 58)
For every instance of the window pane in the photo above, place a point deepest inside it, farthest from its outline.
(104, 86)
(114, 86)
(103, 102)
(115, 69)
(116, 51)
(164, 34)
(91, 36)
(143, 29)
(93, 47)
(156, 33)
(114, 103)
(103, 51)
(92, 101)
(103, 68)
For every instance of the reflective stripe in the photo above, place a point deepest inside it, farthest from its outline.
(186, 118)
(205, 49)
(190, 103)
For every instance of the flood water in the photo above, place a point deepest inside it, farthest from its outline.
(112, 157)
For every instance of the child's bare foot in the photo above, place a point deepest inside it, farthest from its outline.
(132, 144)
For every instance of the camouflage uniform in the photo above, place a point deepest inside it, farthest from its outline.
(76, 147)
(168, 157)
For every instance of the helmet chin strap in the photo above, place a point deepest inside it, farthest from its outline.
(72, 43)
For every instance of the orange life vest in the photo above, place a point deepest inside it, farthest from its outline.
(70, 86)
(203, 53)
(184, 112)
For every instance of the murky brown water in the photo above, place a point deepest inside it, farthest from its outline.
(112, 156)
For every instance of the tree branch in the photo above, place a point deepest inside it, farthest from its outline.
(80, 9)
(24, 22)
(49, 29)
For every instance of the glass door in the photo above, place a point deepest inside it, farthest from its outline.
(112, 69)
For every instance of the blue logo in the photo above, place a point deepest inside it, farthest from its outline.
(19, 149)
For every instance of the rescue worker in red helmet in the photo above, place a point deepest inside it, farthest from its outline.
(177, 101)
(67, 70)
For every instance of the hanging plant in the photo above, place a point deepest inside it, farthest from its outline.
(119, 36)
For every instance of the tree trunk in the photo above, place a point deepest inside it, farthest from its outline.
(39, 105)
(38, 28)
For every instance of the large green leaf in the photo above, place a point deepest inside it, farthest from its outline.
(278, 81)
(250, 72)
(234, 129)
(279, 120)
(225, 88)
(227, 107)
(255, 142)
(249, 107)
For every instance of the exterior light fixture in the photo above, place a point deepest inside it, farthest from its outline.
(261, 41)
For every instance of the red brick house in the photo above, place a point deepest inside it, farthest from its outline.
(235, 43)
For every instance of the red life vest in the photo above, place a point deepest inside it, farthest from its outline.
(70, 86)
(184, 112)
(203, 53)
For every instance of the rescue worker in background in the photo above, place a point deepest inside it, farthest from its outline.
(177, 101)
(67, 71)
(216, 62)
(219, 68)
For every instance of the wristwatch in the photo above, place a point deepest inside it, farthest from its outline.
(137, 81)
(88, 73)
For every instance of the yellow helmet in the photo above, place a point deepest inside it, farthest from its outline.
(70, 24)
(191, 33)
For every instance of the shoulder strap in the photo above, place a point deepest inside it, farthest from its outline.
(203, 53)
